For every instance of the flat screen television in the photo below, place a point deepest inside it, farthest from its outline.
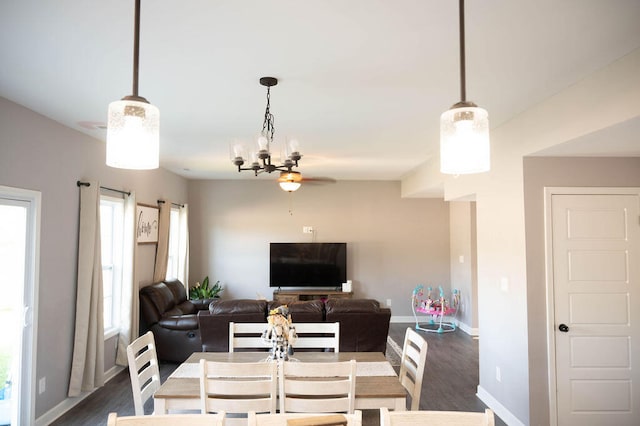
(307, 264)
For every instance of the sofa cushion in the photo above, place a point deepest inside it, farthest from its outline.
(333, 306)
(302, 311)
(238, 306)
(184, 308)
(178, 290)
(161, 298)
(182, 322)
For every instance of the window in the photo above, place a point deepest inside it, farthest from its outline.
(173, 261)
(112, 240)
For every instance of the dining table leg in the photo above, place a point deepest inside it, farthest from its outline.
(159, 406)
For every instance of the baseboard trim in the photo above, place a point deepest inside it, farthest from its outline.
(67, 404)
(499, 409)
(462, 326)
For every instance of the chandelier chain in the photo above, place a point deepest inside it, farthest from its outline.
(268, 125)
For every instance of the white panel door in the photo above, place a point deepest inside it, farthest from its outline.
(596, 279)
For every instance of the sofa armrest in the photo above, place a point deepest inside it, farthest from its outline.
(201, 304)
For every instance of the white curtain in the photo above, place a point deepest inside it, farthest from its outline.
(162, 250)
(87, 368)
(183, 247)
(130, 303)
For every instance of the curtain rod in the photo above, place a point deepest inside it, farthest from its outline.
(79, 183)
(173, 204)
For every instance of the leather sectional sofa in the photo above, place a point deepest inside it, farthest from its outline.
(165, 310)
(364, 325)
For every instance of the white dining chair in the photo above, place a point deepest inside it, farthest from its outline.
(167, 420)
(247, 336)
(412, 363)
(237, 388)
(317, 335)
(436, 418)
(316, 419)
(143, 369)
(317, 387)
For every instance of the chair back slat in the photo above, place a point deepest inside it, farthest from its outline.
(412, 364)
(318, 335)
(317, 386)
(238, 387)
(319, 419)
(436, 418)
(247, 335)
(167, 420)
(143, 370)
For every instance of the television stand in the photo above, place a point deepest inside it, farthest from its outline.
(288, 296)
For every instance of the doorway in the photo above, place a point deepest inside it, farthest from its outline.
(19, 241)
(593, 247)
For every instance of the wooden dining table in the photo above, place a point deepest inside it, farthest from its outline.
(377, 383)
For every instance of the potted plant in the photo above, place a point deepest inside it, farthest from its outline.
(204, 291)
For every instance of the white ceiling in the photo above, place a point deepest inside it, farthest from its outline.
(362, 82)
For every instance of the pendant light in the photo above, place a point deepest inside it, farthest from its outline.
(133, 136)
(464, 129)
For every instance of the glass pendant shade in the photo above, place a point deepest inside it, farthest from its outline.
(464, 141)
(289, 186)
(133, 136)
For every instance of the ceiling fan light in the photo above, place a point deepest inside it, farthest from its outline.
(133, 135)
(464, 141)
(289, 186)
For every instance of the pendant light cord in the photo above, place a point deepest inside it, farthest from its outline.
(136, 48)
(463, 78)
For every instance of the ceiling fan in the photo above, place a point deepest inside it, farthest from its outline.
(291, 180)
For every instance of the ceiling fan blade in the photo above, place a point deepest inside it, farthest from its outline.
(318, 180)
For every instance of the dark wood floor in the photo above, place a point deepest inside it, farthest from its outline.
(450, 382)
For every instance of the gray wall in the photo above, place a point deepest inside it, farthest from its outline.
(540, 172)
(393, 243)
(464, 274)
(39, 154)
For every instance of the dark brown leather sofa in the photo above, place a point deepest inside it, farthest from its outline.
(165, 310)
(364, 325)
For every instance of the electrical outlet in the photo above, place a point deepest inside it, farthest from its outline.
(388, 302)
(307, 229)
(42, 385)
(498, 374)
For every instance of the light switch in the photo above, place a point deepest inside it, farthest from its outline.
(461, 259)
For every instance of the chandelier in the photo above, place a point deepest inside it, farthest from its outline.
(133, 136)
(260, 159)
(464, 128)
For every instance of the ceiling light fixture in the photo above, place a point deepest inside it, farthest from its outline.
(260, 159)
(133, 136)
(464, 129)
(290, 181)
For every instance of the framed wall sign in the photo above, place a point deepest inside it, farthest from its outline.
(147, 224)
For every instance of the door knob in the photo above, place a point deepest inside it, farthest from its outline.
(563, 327)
